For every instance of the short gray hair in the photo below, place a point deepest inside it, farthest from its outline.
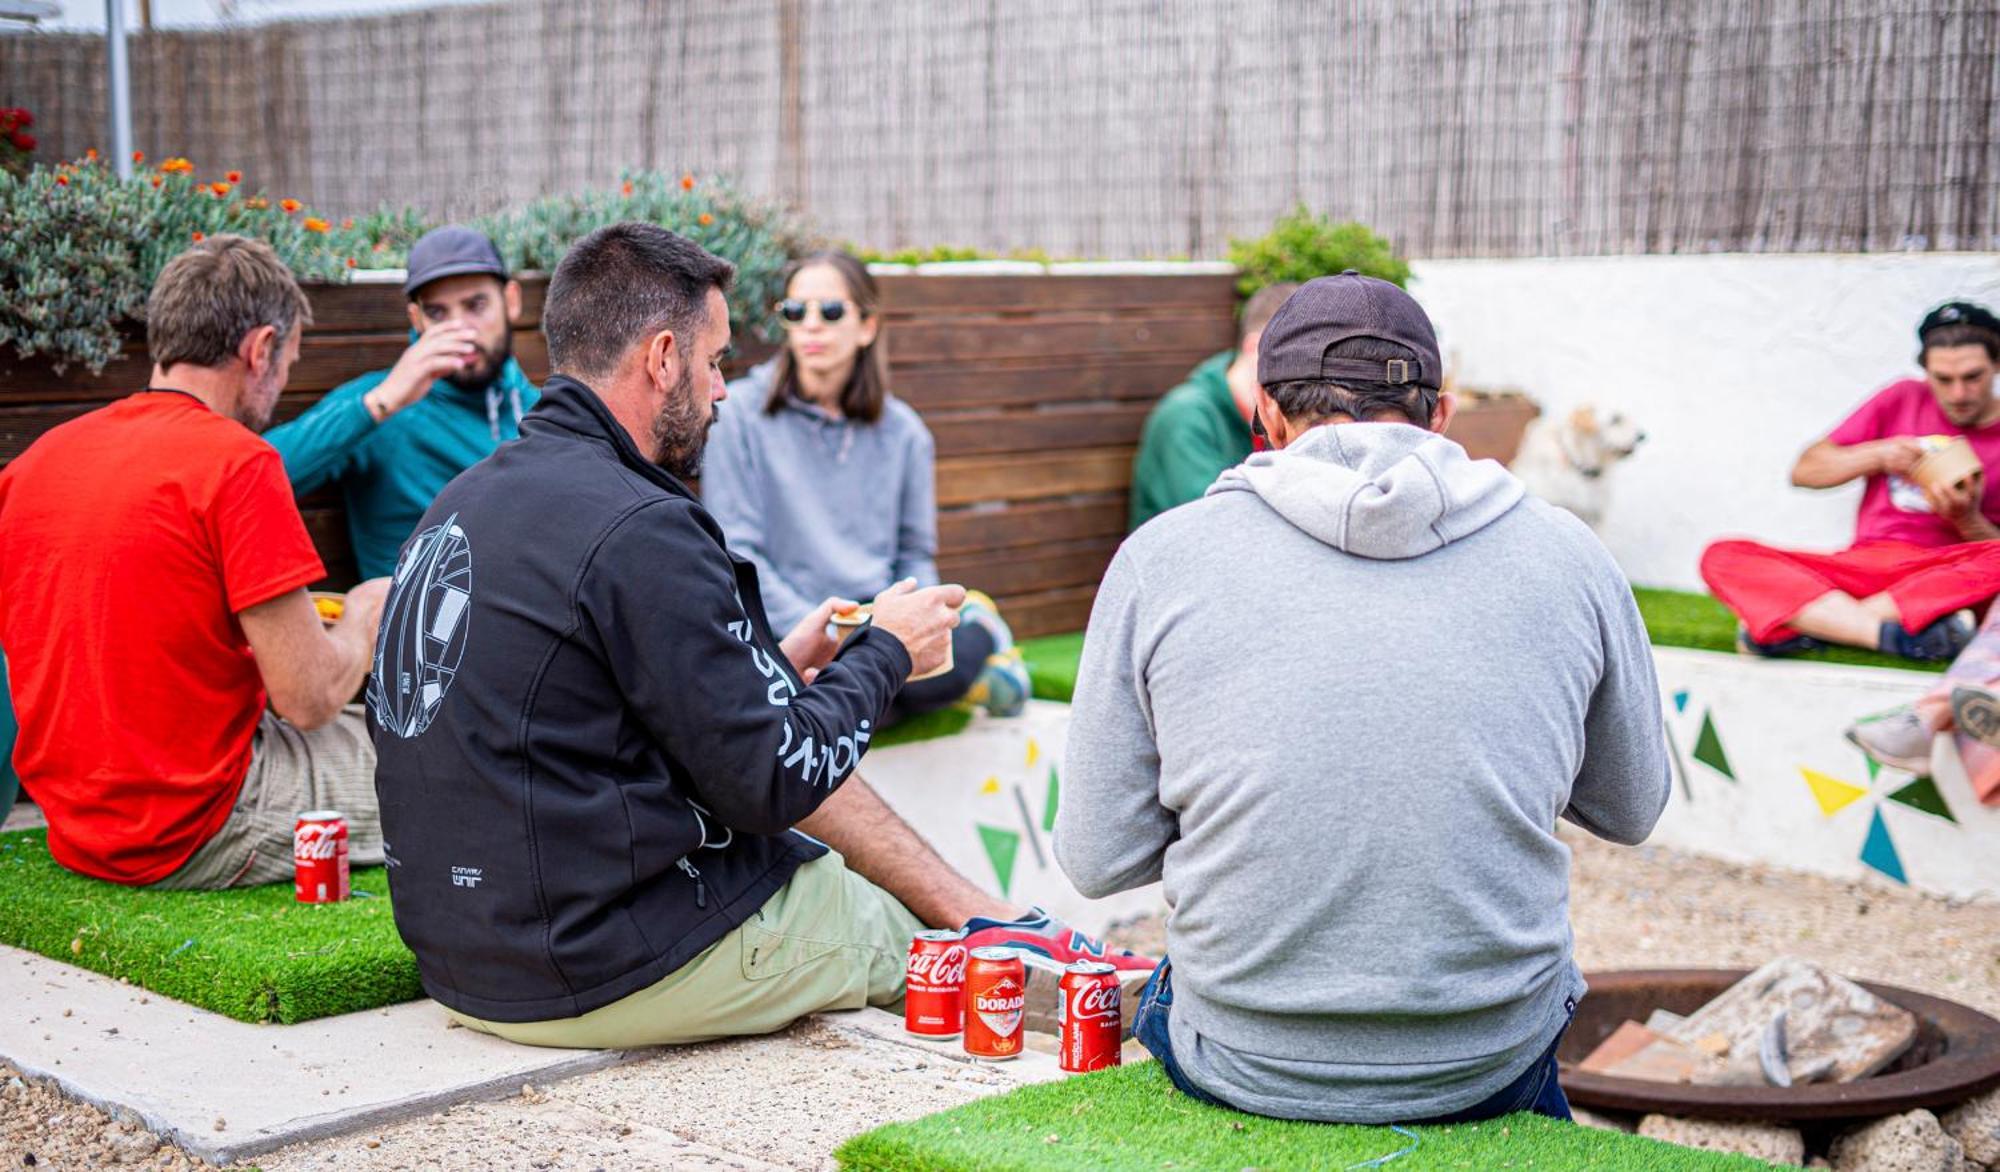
(209, 297)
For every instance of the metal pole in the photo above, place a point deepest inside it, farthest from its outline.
(118, 68)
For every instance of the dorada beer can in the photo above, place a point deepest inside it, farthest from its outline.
(996, 993)
(934, 985)
(319, 857)
(1088, 1012)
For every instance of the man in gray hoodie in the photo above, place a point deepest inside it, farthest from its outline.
(1337, 706)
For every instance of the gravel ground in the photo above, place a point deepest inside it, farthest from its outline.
(1650, 907)
(1642, 907)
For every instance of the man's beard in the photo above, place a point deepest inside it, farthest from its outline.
(489, 372)
(259, 403)
(680, 434)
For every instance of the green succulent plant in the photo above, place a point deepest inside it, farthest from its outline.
(1301, 246)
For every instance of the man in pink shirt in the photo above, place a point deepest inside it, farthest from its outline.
(1920, 556)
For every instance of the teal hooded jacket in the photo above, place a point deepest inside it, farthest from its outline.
(390, 472)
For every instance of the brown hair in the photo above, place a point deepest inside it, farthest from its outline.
(868, 387)
(1313, 401)
(1258, 311)
(1960, 334)
(619, 286)
(209, 297)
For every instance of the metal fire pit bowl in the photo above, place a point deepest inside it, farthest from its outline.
(1956, 1055)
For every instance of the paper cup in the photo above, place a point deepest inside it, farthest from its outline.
(330, 604)
(1948, 461)
(845, 625)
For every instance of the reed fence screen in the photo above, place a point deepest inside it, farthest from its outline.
(1115, 128)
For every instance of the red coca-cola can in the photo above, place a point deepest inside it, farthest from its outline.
(934, 985)
(319, 857)
(996, 994)
(1088, 1012)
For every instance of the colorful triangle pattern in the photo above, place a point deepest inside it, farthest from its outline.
(1708, 748)
(1001, 847)
(1832, 794)
(1680, 701)
(1879, 851)
(1922, 794)
(1874, 768)
(1049, 802)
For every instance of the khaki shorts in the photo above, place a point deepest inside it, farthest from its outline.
(828, 939)
(291, 771)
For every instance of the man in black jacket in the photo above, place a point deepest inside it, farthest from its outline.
(592, 752)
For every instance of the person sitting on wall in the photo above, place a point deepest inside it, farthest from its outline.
(1347, 778)
(1920, 555)
(153, 569)
(1202, 426)
(392, 439)
(824, 480)
(622, 811)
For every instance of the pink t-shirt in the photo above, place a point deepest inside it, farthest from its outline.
(1893, 508)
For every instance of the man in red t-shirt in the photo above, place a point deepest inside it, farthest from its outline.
(152, 599)
(1920, 556)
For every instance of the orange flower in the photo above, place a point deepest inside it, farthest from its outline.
(627, 189)
(220, 189)
(256, 203)
(91, 154)
(138, 157)
(704, 219)
(687, 183)
(347, 224)
(156, 181)
(315, 224)
(176, 166)
(352, 263)
(62, 181)
(234, 176)
(198, 238)
(290, 205)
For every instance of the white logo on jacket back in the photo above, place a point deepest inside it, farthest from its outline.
(423, 631)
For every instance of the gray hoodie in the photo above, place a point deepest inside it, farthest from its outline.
(823, 505)
(1338, 705)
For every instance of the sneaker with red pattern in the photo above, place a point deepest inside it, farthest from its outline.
(1043, 935)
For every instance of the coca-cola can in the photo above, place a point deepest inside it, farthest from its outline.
(934, 985)
(996, 993)
(1088, 1012)
(319, 857)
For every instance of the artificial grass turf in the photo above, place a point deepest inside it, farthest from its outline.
(1052, 661)
(252, 954)
(1131, 1117)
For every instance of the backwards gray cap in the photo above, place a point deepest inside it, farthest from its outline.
(451, 251)
(1329, 310)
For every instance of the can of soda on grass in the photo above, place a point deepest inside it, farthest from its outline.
(319, 857)
(934, 985)
(996, 993)
(1088, 1012)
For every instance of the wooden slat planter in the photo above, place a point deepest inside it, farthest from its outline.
(1035, 388)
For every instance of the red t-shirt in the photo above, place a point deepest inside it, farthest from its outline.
(1893, 508)
(129, 539)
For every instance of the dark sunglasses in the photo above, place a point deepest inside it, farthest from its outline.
(793, 311)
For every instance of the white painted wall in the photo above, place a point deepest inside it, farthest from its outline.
(1731, 363)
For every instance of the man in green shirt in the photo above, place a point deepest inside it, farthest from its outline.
(392, 439)
(1203, 425)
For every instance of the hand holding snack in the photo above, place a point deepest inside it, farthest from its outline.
(922, 620)
(808, 646)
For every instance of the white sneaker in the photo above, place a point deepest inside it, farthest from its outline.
(1896, 738)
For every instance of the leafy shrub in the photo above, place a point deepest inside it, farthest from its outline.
(80, 247)
(16, 144)
(1301, 246)
(759, 237)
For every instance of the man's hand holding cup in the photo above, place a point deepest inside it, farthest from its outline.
(922, 620)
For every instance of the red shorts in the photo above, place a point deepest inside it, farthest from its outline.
(1766, 586)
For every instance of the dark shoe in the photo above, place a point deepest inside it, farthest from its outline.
(1777, 648)
(1976, 711)
(1940, 641)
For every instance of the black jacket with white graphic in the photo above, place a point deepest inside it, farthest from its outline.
(590, 748)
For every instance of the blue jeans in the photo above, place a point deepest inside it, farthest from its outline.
(1536, 1090)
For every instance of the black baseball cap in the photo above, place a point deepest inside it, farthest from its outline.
(451, 251)
(1959, 313)
(1326, 311)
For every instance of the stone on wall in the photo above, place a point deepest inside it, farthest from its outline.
(1914, 1142)
(1976, 1125)
(1763, 1141)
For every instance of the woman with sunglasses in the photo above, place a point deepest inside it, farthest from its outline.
(824, 479)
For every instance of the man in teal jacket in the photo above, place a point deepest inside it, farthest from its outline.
(1203, 425)
(392, 439)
